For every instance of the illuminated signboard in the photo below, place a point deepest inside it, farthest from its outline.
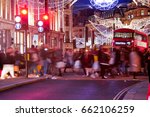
(122, 43)
(80, 42)
(123, 35)
(142, 44)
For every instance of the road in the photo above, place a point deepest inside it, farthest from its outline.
(67, 90)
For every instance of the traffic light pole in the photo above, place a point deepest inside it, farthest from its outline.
(26, 54)
(46, 12)
(21, 23)
(46, 37)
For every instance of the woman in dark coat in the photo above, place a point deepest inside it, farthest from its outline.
(87, 62)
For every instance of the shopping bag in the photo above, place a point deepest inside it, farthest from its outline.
(111, 61)
(77, 64)
(96, 66)
(60, 64)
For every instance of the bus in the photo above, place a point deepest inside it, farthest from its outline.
(126, 37)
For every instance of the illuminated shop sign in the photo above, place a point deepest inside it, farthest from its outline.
(122, 43)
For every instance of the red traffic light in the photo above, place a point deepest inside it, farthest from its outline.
(24, 11)
(43, 24)
(45, 17)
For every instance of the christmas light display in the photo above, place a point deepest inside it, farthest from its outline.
(104, 4)
(57, 4)
(104, 27)
(143, 2)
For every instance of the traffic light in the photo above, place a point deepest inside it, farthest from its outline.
(43, 24)
(40, 25)
(18, 25)
(21, 21)
(24, 18)
(45, 19)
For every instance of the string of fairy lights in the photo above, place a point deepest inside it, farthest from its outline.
(143, 2)
(55, 4)
(104, 27)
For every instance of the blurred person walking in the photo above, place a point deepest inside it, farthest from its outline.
(19, 63)
(8, 63)
(68, 59)
(147, 58)
(104, 62)
(135, 62)
(2, 56)
(124, 61)
(81, 59)
(96, 65)
(34, 61)
(44, 53)
(87, 62)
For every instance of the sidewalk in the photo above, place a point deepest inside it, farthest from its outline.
(136, 92)
(14, 82)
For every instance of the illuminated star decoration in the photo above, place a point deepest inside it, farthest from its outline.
(104, 4)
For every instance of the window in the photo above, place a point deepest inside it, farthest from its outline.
(139, 37)
(132, 16)
(67, 6)
(129, 16)
(123, 35)
(142, 12)
(67, 20)
(148, 12)
(67, 36)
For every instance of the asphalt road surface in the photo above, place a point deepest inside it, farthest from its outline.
(67, 90)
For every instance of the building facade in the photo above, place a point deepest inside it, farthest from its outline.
(7, 10)
(135, 12)
(68, 26)
(82, 30)
(11, 37)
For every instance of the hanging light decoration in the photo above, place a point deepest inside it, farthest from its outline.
(55, 4)
(143, 2)
(104, 4)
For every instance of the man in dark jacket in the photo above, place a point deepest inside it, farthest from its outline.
(2, 56)
(103, 60)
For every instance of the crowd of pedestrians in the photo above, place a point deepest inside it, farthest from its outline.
(111, 62)
(101, 62)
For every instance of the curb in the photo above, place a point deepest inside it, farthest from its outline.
(17, 84)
